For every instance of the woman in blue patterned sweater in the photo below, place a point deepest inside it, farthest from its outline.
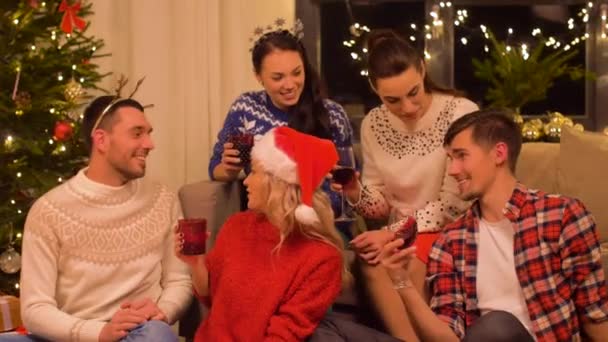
(291, 97)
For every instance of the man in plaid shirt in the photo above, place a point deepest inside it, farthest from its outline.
(519, 265)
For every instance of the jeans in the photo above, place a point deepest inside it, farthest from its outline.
(333, 328)
(497, 326)
(151, 331)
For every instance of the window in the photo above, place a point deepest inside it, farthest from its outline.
(515, 25)
(341, 72)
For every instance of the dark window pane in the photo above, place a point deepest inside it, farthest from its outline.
(565, 96)
(341, 73)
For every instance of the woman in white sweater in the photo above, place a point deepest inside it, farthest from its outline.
(404, 165)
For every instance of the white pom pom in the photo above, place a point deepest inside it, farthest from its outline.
(306, 215)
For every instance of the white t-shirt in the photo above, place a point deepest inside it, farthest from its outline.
(497, 285)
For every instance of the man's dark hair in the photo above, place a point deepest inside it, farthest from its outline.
(490, 127)
(94, 110)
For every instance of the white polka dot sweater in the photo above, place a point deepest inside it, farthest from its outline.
(404, 167)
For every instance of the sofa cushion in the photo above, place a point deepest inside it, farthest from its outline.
(537, 166)
(583, 166)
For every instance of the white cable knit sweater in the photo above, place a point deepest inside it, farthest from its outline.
(87, 247)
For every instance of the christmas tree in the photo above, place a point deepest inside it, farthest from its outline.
(45, 71)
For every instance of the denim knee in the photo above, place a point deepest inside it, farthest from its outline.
(151, 331)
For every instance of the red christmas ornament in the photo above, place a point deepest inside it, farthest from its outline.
(70, 17)
(63, 131)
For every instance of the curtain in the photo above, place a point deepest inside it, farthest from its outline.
(195, 56)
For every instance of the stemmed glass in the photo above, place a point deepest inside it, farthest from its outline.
(344, 174)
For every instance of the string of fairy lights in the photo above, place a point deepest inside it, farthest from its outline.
(433, 28)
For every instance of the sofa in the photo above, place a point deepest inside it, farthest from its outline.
(577, 167)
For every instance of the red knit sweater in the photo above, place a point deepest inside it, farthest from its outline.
(260, 296)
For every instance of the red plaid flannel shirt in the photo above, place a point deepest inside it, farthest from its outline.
(557, 261)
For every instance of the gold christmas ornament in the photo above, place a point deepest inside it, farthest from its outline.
(605, 130)
(518, 119)
(556, 117)
(538, 123)
(73, 91)
(579, 127)
(530, 132)
(567, 122)
(23, 100)
(553, 131)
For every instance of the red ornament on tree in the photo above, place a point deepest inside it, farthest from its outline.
(63, 131)
(70, 17)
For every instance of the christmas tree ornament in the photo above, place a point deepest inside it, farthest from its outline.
(556, 117)
(70, 17)
(553, 131)
(518, 119)
(63, 131)
(579, 127)
(538, 123)
(23, 100)
(567, 122)
(73, 91)
(10, 261)
(74, 114)
(530, 132)
(17, 77)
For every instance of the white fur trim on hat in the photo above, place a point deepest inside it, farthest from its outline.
(273, 159)
(306, 215)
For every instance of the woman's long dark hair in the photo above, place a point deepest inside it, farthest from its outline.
(390, 55)
(309, 115)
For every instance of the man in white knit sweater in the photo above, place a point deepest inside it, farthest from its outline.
(98, 261)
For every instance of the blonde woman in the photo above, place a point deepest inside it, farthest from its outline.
(275, 269)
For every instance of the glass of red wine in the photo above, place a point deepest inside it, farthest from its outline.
(243, 142)
(407, 232)
(344, 174)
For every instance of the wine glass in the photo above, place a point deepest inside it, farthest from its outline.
(344, 174)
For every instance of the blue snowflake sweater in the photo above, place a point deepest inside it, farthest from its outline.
(255, 113)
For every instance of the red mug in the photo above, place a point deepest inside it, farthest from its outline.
(194, 231)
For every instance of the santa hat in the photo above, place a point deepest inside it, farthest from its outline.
(297, 158)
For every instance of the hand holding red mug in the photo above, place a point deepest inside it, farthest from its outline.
(190, 238)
